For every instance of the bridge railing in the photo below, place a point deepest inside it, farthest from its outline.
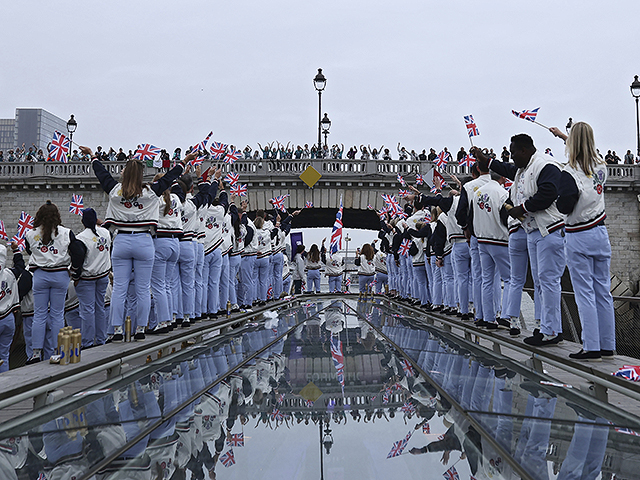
(619, 175)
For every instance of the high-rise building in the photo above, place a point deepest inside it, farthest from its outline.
(31, 126)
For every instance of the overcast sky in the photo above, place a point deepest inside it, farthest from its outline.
(169, 72)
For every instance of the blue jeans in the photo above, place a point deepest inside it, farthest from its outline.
(214, 263)
(198, 281)
(492, 258)
(462, 268)
(166, 254)
(262, 277)
(49, 291)
(7, 329)
(313, 281)
(92, 313)
(234, 267)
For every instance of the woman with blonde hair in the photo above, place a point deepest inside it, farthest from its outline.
(587, 247)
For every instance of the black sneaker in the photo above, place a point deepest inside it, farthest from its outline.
(118, 335)
(465, 317)
(185, 324)
(491, 325)
(139, 335)
(607, 353)
(539, 340)
(503, 322)
(593, 356)
(514, 331)
(480, 323)
(35, 358)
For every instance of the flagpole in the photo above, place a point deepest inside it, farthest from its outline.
(538, 123)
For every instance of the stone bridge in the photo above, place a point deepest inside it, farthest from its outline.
(25, 186)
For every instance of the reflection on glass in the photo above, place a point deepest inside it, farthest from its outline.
(319, 392)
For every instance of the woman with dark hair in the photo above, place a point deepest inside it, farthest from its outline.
(313, 269)
(93, 281)
(52, 248)
(366, 267)
(132, 214)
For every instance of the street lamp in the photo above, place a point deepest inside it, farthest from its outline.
(326, 125)
(71, 127)
(319, 82)
(635, 91)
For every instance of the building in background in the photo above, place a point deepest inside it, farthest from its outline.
(31, 126)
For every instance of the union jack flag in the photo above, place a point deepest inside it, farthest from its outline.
(277, 415)
(309, 403)
(467, 161)
(472, 128)
(280, 398)
(217, 149)
(59, 148)
(408, 368)
(197, 161)
(231, 178)
(239, 190)
(3, 232)
(146, 152)
(401, 180)
(231, 157)
(626, 431)
(270, 292)
(338, 359)
(630, 372)
(24, 223)
(369, 206)
(336, 233)
(451, 474)
(398, 446)
(278, 202)
(236, 440)
(404, 247)
(527, 114)
(389, 200)
(386, 396)
(347, 283)
(76, 205)
(408, 407)
(308, 205)
(442, 159)
(403, 193)
(228, 459)
(42, 476)
(426, 429)
(202, 146)
(507, 184)
(419, 179)
(21, 241)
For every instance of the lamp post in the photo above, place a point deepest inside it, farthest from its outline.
(71, 127)
(319, 82)
(326, 125)
(635, 91)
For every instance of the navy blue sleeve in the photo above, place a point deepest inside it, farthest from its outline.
(77, 251)
(548, 181)
(167, 179)
(424, 232)
(383, 226)
(430, 200)
(233, 211)
(438, 239)
(104, 177)
(445, 204)
(202, 197)
(177, 190)
(249, 236)
(568, 193)
(224, 201)
(25, 282)
(463, 209)
(506, 169)
(18, 265)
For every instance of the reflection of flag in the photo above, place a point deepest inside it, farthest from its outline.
(626, 431)
(338, 359)
(270, 292)
(385, 397)
(76, 205)
(404, 247)
(426, 429)
(408, 407)
(451, 474)
(228, 459)
(24, 223)
(336, 233)
(236, 440)
(408, 368)
(146, 152)
(398, 446)
(527, 114)
(472, 128)
(232, 178)
(467, 161)
(401, 180)
(277, 415)
(59, 147)
(3, 232)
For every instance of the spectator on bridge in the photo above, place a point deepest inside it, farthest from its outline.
(121, 156)
(40, 156)
(616, 158)
(351, 154)
(386, 155)
(402, 151)
(432, 155)
(1, 156)
(423, 156)
(53, 248)
(581, 198)
(629, 158)
(365, 153)
(247, 152)
(306, 153)
(608, 158)
(461, 154)
(375, 154)
(504, 156)
(298, 153)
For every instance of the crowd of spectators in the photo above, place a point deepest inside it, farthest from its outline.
(278, 151)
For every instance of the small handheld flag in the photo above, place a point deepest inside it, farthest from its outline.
(236, 440)
(228, 459)
(232, 156)
(467, 161)
(3, 232)
(529, 115)
(442, 159)
(76, 205)
(401, 180)
(472, 128)
(146, 152)
(404, 248)
(451, 474)
(238, 190)
(278, 202)
(59, 148)
(419, 179)
(232, 178)
(21, 241)
(403, 193)
(217, 149)
(24, 223)
(308, 205)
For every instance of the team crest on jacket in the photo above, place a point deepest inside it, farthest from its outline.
(134, 203)
(598, 181)
(211, 223)
(4, 289)
(102, 244)
(46, 248)
(483, 202)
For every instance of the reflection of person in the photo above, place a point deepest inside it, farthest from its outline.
(581, 198)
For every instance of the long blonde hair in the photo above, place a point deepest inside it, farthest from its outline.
(131, 179)
(581, 148)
